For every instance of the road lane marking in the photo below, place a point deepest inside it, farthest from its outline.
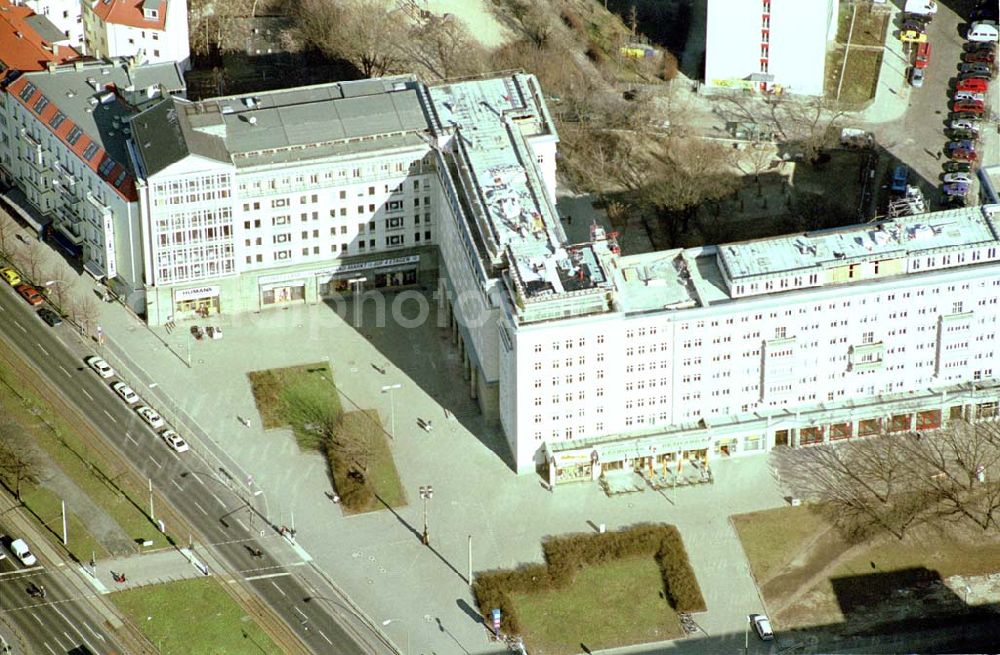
(40, 347)
(200, 507)
(75, 629)
(266, 576)
(110, 416)
(158, 465)
(242, 525)
(174, 482)
(36, 618)
(219, 500)
(63, 369)
(129, 437)
(46, 644)
(20, 327)
(301, 613)
(95, 633)
(324, 637)
(87, 394)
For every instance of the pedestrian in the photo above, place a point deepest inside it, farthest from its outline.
(569, 219)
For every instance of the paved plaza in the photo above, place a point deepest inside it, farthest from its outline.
(377, 558)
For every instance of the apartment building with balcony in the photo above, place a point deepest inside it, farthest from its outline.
(62, 145)
(151, 31)
(770, 46)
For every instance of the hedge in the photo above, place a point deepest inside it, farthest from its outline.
(566, 555)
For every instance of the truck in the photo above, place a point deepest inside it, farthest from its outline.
(922, 7)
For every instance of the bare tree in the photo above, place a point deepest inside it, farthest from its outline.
(804, 122)
(29, 259)
(445, 48)
(7, 226)
(755, 160)
(55, 287)
(365, 33)
(19, 463)
(225, 24)
(85, 312)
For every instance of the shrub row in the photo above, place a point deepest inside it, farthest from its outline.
(566, 555)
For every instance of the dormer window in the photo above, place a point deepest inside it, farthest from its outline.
(151, 14)
(151, 9)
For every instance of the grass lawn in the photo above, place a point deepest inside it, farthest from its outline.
(103, 482)
(192, 617)
(276, 391)
(577, 618)
(860, 76)
(381, 478)
(45, 505)
(773, 537)
(869, 26)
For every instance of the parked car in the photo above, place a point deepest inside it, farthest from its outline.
(975, 84)
(974, 76)
(949, 178)
(175, 442)
(126, 392)
(964, 125)
(984, 69)
(964, 115)
(51, 317)
(957, 167)
(982, 31)
(900, 176)
(969, 106)
(969, 95)
(976, 46)
(963, 154)
(762, 626)
(30, 294)
(912, 36)
(916, 77)
(213, 332)
(912, 24)
(21, 551)
(956, 189)
(100, 366)
(964, 135)
(979, 56)
(150, 416)
(11, 276)
(954, 202)
(923, 58)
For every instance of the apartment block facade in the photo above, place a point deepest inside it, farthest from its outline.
(151, 31)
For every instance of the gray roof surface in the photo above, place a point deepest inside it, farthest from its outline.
(69, 89)
(45, 29)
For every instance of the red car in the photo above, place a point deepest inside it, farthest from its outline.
(29, 293)
(979, 56)
(923, 57)
(962, 154)
(970, 106)
(975, 85)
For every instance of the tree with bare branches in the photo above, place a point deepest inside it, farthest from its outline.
(225, 24)
(19, 464)
(444, 48)
(366, 33)
(29, 258)
(7, 227)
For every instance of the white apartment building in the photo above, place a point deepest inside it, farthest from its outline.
(62, 144)
(152, 31)
(776, 46)
(66, 15)
(590, 360)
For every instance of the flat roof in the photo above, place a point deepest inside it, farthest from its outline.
(514, 216)
(900, 237)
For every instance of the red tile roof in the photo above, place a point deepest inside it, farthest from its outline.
(20, 46)
(126, 189)
(129, 12)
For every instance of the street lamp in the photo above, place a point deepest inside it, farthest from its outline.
(426, 493)
(406, 627)
(392, 407)
(357, 285)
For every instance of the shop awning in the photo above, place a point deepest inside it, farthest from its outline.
(17, 202)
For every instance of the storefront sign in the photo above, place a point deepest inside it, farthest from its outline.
(353, 267)
(196, 293)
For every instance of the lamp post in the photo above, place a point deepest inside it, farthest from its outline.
(357, 286)
(392, 407)
(406, 627)
(746, 636)
(426, 493)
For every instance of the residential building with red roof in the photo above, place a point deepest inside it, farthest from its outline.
(66, 15)
(153, 31)
(64, 146)
(29, 41)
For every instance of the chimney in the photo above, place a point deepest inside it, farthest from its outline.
(55, 49)
(50, 66)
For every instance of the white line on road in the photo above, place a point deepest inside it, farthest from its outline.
(49, 647)
(219, 500)
(152, 459)
(266, 576)
(85, 393)
(20, 327)
(110, 416)
(75, 629)
(43, 349)
(129, 437)
(36, 618)
(242, 525)
(63, 369)
(94, 632)
(301, 613)
(325, 637)
(200, 507)
(174, 482)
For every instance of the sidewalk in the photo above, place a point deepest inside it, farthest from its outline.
(164, 565)
(892, 94)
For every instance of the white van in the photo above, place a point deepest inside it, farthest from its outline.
(982, 32)
(20, 550)
(923, 7)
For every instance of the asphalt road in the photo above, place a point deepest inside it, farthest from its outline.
(221, 510)
(59, 623)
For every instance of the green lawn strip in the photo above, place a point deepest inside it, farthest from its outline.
(869, 26)
(103, 483)
(193, 617)
(381, 485)
(274, 389)
(47, 508)
(860, 76)
(942, 553)
(773, 537)
(614, 604)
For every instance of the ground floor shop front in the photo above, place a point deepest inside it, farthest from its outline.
(256, 292)
(668, 457)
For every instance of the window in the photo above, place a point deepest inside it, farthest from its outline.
(91, 150)
(74, 135)
(394, 240)
(57, 119)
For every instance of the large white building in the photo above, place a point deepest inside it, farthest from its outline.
(590, 360)
(152, 31)
(65, 15)
(769, 45)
